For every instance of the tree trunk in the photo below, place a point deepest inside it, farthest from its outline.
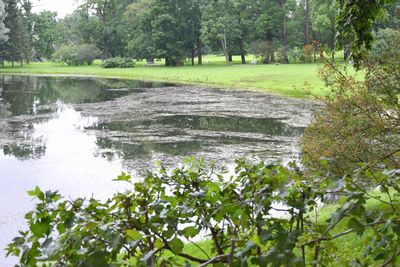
(285, 59)
(333, 56)
(346, 52)
(307, 22)
(272, 51)
(225, 49)
(193, 55)
(242, 52)
(230, 56)
(199, 51)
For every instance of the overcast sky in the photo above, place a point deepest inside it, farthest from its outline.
(62, 7)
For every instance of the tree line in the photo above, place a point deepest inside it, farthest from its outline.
(276, 30)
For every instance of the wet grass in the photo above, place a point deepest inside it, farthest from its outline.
(294, 80)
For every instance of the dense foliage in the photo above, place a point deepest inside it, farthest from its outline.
(176, 30)
(261, 215)
(361, 119)
(355, 21)
(17, 47)
(3, 29)
(76, 54)
(118, 62)
(45, 36)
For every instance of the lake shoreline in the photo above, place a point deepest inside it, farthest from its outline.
(294, 80)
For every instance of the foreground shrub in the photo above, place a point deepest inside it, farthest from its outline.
(264, 215)
(76, 54)
(118, 62)
(360, 121)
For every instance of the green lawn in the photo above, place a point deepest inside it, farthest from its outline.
(295, 80)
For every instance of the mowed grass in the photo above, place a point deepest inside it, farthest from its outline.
(294, 80)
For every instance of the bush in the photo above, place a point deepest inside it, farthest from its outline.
(264, 215)
(282, 55)
(296, 55)
(384, 40)
(118, 62)
(360, 122)
(76, 54)
(262, 49)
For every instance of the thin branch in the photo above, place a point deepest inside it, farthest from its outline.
(220, 258)
(184, 255)
(323, 238)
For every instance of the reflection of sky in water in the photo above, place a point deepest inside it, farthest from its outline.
(67, 165)
(107, 126)
(51, 151)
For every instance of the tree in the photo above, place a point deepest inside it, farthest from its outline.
(14, 48)
(164, 29)
(217, 26)
(307, 20)
(268, 26)
(3, 29)
(355, 21)
(323, 17)
(45, 34)
(192, 20)
(169, 31)
(78, 28)
(138, 17)
(110, 32)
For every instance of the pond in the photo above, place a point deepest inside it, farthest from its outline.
(76, 134)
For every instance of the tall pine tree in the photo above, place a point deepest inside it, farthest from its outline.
(17, 47)
(3, 29)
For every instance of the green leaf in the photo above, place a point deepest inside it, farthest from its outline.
(41, 227)
(190, 231)
(176, 245)
(256, 240)
(61, 228)
(36, 193)
(158, 244)
(356, 225)
(123, 177)
(134, 235)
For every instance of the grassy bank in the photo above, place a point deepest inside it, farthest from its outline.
(295, 80)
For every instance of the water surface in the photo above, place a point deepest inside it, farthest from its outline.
(77, 134)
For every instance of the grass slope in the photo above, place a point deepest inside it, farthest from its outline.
(294, 80)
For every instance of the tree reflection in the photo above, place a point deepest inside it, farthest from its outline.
(28, 100)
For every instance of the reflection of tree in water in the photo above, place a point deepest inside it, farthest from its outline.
(27, 100)
(24, 94)
(135, 150)
(18, 140)
(186, 135)
(267, 126)
(25, 151)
